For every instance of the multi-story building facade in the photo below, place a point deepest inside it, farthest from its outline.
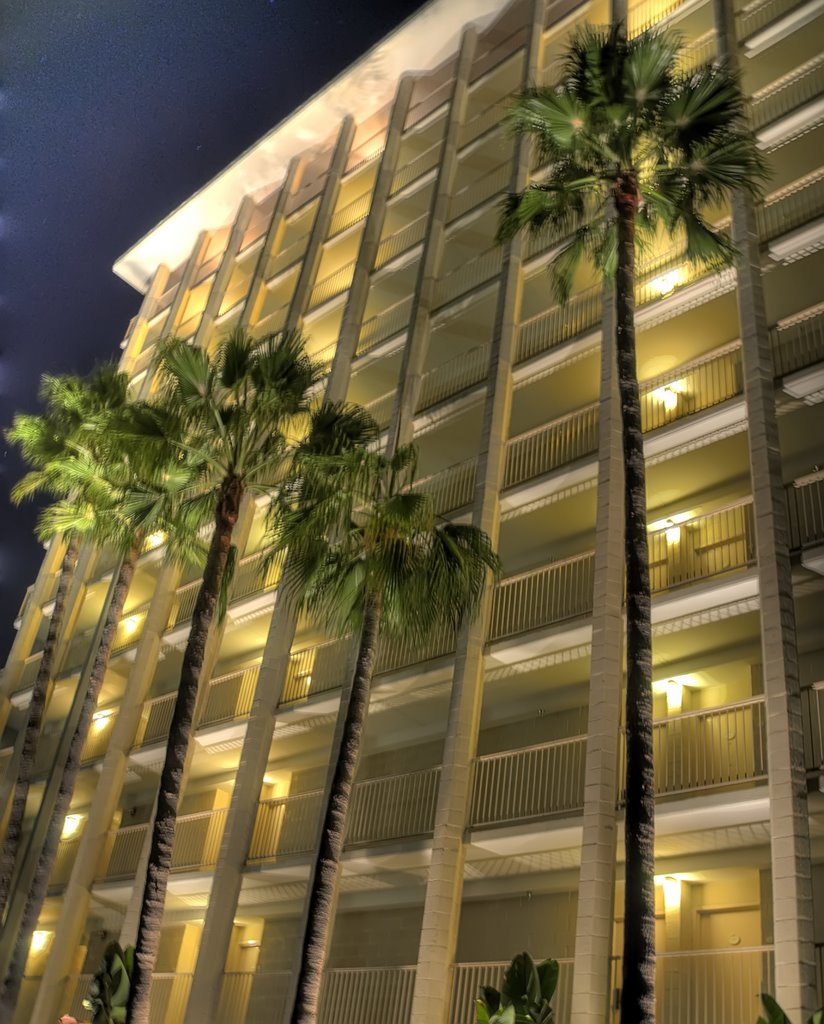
(487, 813)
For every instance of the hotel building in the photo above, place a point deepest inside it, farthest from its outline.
(487, 814)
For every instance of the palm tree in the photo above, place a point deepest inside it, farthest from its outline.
(106, 476)
(637, 151)
(232, 417)
(46, 442)
(367, 555)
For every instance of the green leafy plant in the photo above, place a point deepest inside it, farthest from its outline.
(775, 1015)
(525, 994)
(109, 988)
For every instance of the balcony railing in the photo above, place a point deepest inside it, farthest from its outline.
(709, 749)
(64, 860)
(792, 206)
(805, 508)
(317, 669)
(384, 324)
(366, 994)
(230, 696)
(416, 167)
(537, 781)
(287, 257)
(491, 184)
(407, 236)
(169, 995)
(285, 825)
(469, 276)
(468, 978)
(552, 445)
(701, 50)
(491, 117)
(452, 488)
(455, 375)
(760, 13)
(183, 604)
(551, 594)
(393, 807)
(718, 985)
(647, 13)
(798, 341)
(332, 285)
(545, 331)
(196, 844)
(380, 409)
(254, 997)
(350, 214)
(130, 629)
(799, 86)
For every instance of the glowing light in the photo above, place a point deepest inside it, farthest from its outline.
(249, 944)
(668, 394)
(675, 695)
(100, 719)
(672, 893)
(270, 780)
(671, 526)
(307, 682)
(130, 625)
(667, 283)
(39, 941)
(673, 534)
(71, 825)
(155, 540)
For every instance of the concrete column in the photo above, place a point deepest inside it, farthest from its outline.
(320, 229)
(442, 903)
(596, 882)
(271, 243)
(224, 272)
(240, 822)
(77, 895)
(401, 427)
(359, 289)
(795, 986)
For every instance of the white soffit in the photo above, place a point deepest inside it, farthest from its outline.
(420, 44)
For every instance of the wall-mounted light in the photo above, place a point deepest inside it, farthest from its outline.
(130, 625)
(668, 394)
(39, 941)
(670, 526)
(672, 893)
(71, 825)
(100, 719)
(665, 284)
(250, 944)
(155, 540)
(674, 692)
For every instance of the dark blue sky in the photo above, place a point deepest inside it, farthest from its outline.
(113, 112)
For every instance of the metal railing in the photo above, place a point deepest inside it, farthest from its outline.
(545, 331)
(97, 740)
(708, 749)
(355, 163)
(317, 669)
(791, 207)
(125, 852)
(254, 576)
(350, 214)
(155, 719)
(452, 488)
(490, 184)
(647, 13)
(799, 86)
(401, 240)
(453, 376)
(805, 511)
(812, 703)
(366, 994)
(285, 825)
(169, 996)
(486, 119)
(798, 341)
(393, 806)
(702, 50)
(758, 15)
(468, 978)
(196, 844)
(380, 409)
(130, 629)
(254, 997)
(416, 167)
(536, 781)
(383, 325)
(64, 860)
(81, 992)
(469, 275)
(547, 447)
(334, 284)
(717, 985)
(553, 593)
(183, 604)
(285, 258)
(708, 545)
(230, 696)
(691, 388)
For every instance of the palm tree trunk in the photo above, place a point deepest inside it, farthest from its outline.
(37, 708)
(37, 894)
(168, 797)
(638, 990)
(325, 874)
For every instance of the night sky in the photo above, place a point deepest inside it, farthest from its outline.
(113, 112)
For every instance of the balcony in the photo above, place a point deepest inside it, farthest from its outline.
(417, 167)
(169, 996)
(333, 285)
(350, 214)
(484, 121)
(794, 93)
(471, 275)
(487, 187)
(401, 241)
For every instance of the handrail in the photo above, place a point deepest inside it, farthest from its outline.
(417, 167)
(401, 240)
(333, 284)
(783, 95)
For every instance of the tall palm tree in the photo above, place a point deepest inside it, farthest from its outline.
(46, 442)
(233, 417)
(366, 554)
(637, 151)
(106, 474)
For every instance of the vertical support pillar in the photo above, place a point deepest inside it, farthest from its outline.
(320, 229)
(401, 427)
(224, 272)
(352, 322)
(134, 343)
(442, 903)
(240, 822)
(271, 243)
(795, 986)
